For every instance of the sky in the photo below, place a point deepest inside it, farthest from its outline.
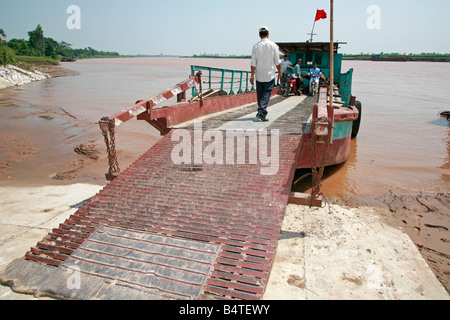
(176, 27)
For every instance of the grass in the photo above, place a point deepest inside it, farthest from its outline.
(7, 55)
(40, 61)
(31, 63)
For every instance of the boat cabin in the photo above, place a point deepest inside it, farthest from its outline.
(319, 52)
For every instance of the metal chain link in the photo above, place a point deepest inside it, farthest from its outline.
(107, 127)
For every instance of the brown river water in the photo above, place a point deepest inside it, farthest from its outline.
(400, 159)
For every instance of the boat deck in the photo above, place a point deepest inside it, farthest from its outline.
(163, 230)
(288, 115)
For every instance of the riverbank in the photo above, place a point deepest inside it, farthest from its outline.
(26, 71)
(343, 253)
(399, 58)
(14, 76)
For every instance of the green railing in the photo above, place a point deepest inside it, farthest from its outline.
(345, 87)
(229, 80)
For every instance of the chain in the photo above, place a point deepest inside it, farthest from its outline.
(107, 127)
(318, 167)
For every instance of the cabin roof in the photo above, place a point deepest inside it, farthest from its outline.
(288, 47)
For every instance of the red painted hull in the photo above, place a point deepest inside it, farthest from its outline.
(338, 152)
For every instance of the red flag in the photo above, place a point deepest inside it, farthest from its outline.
(321, 14)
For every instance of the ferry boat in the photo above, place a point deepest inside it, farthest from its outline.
(345, 115)
(326, 132)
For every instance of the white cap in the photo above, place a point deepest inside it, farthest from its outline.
(263, 28)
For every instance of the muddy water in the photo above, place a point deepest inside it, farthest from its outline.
(403, 144)
(55, 115)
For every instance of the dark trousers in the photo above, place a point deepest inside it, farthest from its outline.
(263, 92)
(300, 84)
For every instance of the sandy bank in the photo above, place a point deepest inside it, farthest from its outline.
(344, 253)
(11, 75)
(14, 76)
(27, 215)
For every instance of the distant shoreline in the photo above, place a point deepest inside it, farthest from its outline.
(398, 58)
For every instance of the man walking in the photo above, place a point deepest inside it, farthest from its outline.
(265, 61)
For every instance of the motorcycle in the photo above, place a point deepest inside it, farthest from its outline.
(314, 85)
(288, 85)
(284, 84)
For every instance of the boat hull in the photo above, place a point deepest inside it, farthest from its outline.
(338, 151)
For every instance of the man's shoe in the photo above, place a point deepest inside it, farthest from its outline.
(262, 118)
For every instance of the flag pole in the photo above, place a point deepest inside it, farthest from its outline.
(312, 32)
(331, 53)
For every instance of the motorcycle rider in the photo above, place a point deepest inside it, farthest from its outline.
(316, 72)
(285, 64)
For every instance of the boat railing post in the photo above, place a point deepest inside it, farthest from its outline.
(223, 80)
(210, 78)
(246, 82)
(232, 83)
(240, 82)
(194, 93)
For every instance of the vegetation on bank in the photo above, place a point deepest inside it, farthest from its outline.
(434, 57)
(430, 57)
(39, 46)
(220, 56)
(39, 50)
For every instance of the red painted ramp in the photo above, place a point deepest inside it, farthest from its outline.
(171, 231)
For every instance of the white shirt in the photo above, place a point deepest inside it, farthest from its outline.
(285, 65)
(265, 58)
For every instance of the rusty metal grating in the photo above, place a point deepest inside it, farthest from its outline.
(231, 206)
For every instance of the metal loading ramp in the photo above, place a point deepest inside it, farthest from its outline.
(167, 231)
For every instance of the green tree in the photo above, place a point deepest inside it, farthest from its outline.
(37, 41)
(7, 55)
(51, 47)
(20, 46)
(64, 49)
(2, 35)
